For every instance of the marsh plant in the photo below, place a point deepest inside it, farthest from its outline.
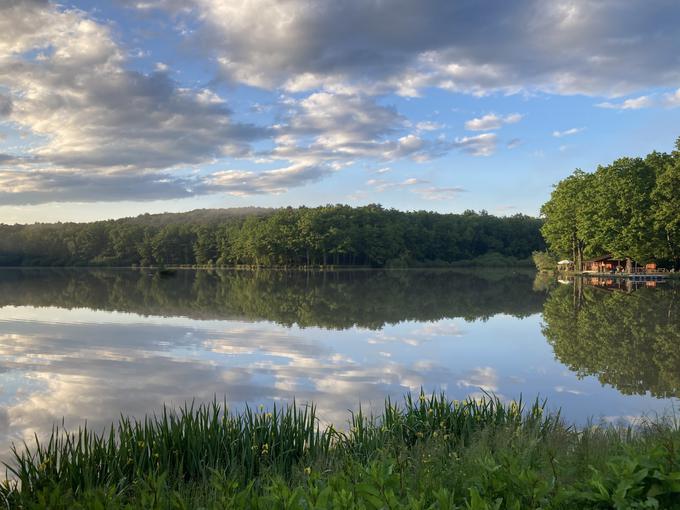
(426, 452)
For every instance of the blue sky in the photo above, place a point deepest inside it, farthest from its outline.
(119, 108)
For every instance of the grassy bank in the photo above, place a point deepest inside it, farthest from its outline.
(426, 453)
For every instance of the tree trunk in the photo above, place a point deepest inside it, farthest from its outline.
(629, 265)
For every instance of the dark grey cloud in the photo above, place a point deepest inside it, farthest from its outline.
(19, 187)
(601, 47)
(5, 105)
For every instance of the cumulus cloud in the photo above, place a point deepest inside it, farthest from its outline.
(635, 103)
(237, 182)
(339, 129)
(97, 121)
(405, 46)
(567, 132)
(99, 128)
(491, 121)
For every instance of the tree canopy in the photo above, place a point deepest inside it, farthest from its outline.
(629, 209)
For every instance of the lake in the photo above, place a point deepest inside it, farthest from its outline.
(90, 344)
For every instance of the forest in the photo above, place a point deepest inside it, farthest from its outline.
(629, 209)
(339, 235)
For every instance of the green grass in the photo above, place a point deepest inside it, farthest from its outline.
(425, 453)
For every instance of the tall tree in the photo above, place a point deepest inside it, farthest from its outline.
(666, 206)
(564, 214)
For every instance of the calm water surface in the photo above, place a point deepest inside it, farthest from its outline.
(88, 345)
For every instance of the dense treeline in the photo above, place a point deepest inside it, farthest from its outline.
(630, 209)
(328, 299)
(330, 235)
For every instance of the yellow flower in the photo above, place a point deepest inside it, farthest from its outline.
(419, 434)
(261, 407)
(308, 471)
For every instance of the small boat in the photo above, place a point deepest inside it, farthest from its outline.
(167, 272)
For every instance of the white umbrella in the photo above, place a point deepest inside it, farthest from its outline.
(562, 262)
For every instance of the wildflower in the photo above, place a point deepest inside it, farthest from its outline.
(430, 411)
(422, 397)
(268, 415)
(435, 434)
(308, 471)
(261, 407)
(140, 444)
(419, 434)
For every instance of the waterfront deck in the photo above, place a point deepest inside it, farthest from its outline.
(636, 276)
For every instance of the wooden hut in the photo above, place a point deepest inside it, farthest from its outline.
(604, 264)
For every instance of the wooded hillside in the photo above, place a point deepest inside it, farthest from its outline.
(334, 234)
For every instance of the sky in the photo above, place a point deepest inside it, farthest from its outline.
(112, 109)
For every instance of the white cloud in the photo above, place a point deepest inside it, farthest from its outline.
(635, 103)
(279, 180)
(100, 130)
(479, 145)
(485, 378)
(381, 185)
(428, 126)
(567, 132)
(673, 99)
(491, 121)
(439, 193)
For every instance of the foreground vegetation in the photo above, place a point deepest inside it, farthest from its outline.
(329, 235)
(428, 453)
(629, 209)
